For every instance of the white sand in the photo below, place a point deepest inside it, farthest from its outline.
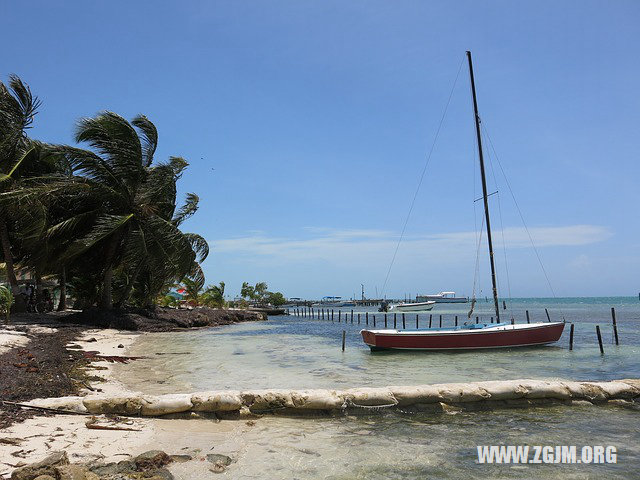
(37, 437)
(106, 343)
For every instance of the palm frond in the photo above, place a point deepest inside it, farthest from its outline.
(199, 246)
(149, 138)
(28, 104)
(189, 207)
(117, 142)
(105, 226)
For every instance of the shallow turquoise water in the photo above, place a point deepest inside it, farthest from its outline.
(297, 352)
(294, 352)
(398, 446)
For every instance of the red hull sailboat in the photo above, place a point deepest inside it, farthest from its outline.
(472, 336)
(477, 336)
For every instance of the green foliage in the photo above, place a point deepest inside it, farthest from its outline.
(213, 296)
(6, 300)
(168, 301)
(247, 291)
(193, 289)
(260, 294)
(276, 299)
(108, 215)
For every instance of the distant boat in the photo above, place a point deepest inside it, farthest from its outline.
(442, 297)
(412, 307)
(334, 302)
(468, 336)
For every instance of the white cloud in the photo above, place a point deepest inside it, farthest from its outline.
(365, 246)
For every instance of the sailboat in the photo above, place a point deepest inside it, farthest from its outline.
(475, 335)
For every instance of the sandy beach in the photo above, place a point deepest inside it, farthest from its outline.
(37, 437)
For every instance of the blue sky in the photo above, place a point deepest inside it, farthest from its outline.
(307, 125)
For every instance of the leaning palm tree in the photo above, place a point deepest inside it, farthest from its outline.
(18, 107)
(132, 224)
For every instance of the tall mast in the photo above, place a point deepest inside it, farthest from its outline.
(484, 189)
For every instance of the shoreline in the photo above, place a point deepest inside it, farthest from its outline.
(33, 434)
(33, 439)
(194, 434)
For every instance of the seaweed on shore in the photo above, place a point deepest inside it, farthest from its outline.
(43, 368)
(161, 319)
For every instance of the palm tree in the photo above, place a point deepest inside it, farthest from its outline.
(213, 295)
(193, 289)
(131, 227)
(18, 107)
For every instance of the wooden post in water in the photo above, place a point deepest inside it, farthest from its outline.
(504, 305)
(599, 339)
(395, 320)
(571, 338)
(332, 314)
(404, 325)
(366, 318)
(491, 319)
(440, 321)
(456, 320)
(527, 312)
(374, 321)
(417, 321)
(477, 319)
(385, 320)
(615, 326)
(340, 316)
(344, 337)
(430, 318)
(548, 317)
(358, 319)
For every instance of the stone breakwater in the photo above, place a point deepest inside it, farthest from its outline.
(437, 397)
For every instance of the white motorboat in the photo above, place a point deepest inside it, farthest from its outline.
(412, 307)
(334, 302)
(442, 297)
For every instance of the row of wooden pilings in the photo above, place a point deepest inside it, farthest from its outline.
(321, 313)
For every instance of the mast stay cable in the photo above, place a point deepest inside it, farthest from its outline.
(544, 271)
(424, 170)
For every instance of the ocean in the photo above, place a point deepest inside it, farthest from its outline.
(299, 352)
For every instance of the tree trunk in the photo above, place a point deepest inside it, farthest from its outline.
(107, 298)
(62, 304)
(8, 257)
(38, 279)
(129, 288)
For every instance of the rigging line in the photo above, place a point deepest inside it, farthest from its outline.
(522, 218)
(424, 170)
(504, 244)
(476, 276)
